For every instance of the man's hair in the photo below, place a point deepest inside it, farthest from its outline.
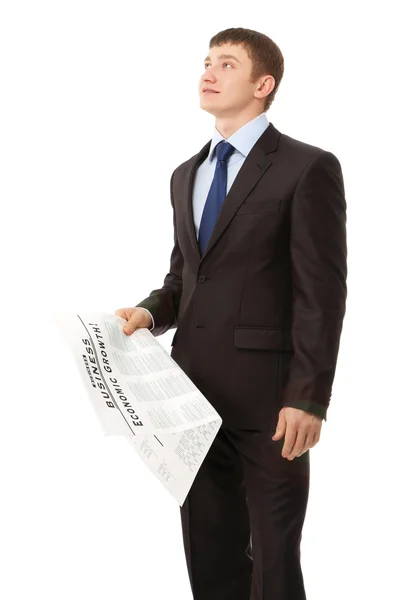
(265, 55)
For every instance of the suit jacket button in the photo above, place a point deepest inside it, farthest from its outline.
(201, 278)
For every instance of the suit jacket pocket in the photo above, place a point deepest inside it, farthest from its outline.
(259, 206)
(261, 338)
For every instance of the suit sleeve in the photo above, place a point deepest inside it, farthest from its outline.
(319, 272)
(163, 303)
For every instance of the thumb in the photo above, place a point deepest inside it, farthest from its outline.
(132, 323)
(280, 428)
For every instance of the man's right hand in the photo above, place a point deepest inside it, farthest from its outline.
(136, 318)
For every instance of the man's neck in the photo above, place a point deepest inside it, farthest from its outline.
(228, 126)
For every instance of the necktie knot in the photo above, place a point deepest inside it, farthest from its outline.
(224, 150)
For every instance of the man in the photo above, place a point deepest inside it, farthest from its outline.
(257, 292)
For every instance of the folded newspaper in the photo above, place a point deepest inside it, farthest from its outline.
(139, 391)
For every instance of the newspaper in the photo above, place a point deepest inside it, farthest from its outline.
(139, 391)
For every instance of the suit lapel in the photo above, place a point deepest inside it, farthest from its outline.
(254, 166)
(187, 185)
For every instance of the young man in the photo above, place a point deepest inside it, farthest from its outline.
(257, 292)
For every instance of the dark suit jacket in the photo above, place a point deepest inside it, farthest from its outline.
(259, 316)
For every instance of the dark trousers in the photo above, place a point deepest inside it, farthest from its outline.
(242, 520)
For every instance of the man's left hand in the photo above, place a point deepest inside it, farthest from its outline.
(302, 431)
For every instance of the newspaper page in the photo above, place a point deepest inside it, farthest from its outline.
(139, 391)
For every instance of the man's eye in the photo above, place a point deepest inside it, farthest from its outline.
(206, 64)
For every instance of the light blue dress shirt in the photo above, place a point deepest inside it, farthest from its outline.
(243, 141)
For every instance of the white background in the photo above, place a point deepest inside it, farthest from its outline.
(99, 105)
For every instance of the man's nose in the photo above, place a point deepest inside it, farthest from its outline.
(208, 75)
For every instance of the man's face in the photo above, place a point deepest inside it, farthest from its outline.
(230, 78)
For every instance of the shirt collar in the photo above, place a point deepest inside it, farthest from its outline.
(244, 138)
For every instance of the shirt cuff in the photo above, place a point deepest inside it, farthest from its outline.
(151, 318)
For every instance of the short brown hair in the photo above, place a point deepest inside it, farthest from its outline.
(265, 55)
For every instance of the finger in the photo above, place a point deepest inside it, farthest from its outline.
(307, 443)
(315, 439)
(134, 322)
(121, 312)
(290, 439)
(299, 445)
(130, 327)
(280, 428)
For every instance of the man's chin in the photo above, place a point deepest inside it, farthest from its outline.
(210, 108)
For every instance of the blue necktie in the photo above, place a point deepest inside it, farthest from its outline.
(216, 195)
